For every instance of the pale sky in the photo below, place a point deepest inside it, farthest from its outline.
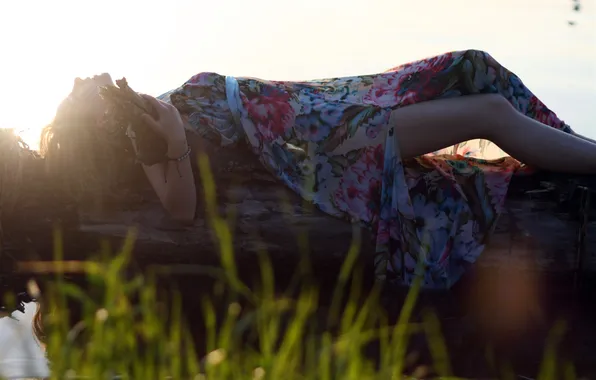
(157, 45)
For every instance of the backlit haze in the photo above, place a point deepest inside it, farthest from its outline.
(157, 45)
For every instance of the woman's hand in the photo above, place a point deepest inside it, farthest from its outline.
(168, 123)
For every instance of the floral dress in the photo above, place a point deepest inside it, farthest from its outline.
(330, 141)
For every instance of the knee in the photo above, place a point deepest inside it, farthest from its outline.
(500, 112)
(497, 103)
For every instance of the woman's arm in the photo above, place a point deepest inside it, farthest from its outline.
(173, 181)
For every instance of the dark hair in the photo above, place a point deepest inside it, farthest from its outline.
(81, 163)
(15, 156)
(38, 331)
(91, 162)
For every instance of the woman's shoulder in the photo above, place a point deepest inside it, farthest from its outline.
(202, 100)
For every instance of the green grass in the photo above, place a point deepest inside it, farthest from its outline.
(127, 330)
(124, 330)
(131, 338)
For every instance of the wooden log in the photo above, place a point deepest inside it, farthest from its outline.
(264, 215)
(531, 234)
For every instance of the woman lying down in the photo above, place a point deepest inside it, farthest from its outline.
(389, 150)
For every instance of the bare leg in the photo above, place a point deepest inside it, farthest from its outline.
(428, 126)
(584, 137)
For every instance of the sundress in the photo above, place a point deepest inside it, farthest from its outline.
(330, 142)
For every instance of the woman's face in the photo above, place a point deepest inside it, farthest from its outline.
(89, 87)
(85, 93)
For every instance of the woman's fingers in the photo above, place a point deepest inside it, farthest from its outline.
(147, 118)
(155, 103)
(152, 123)
(168, 123)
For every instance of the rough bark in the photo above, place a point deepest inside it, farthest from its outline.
(531, 234)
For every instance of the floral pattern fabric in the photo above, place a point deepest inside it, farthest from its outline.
(330, 141)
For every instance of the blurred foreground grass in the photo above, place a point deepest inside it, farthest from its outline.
(129, 330)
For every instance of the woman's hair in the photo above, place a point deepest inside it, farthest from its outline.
(87, 163)
(83, 162)
(15, 160)
(89, 160)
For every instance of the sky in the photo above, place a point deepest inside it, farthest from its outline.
(157, 45)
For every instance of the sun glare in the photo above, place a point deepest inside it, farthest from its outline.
(61, 39)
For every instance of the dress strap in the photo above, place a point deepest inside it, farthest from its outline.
(235, 103)
(233, 98)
